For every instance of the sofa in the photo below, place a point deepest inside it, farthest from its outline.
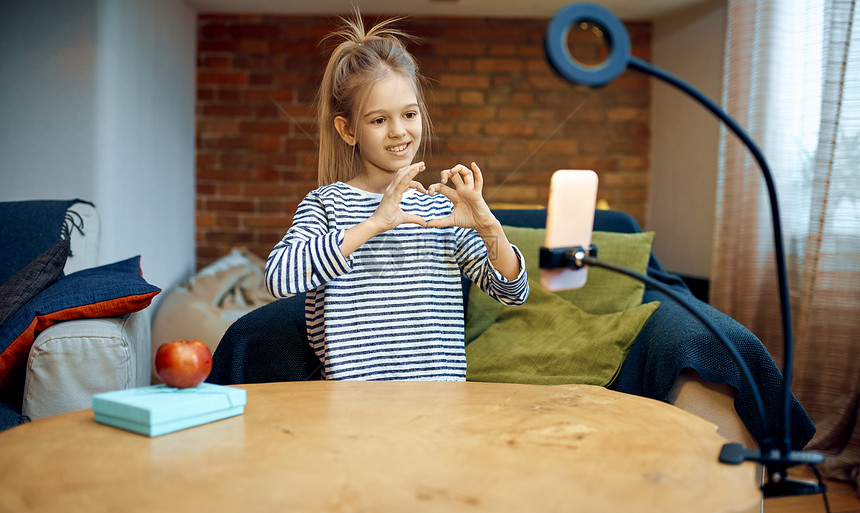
(70, 328)
(673, 358)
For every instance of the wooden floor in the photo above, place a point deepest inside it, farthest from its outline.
(841, 496)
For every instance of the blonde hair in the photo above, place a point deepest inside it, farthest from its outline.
(359, 60)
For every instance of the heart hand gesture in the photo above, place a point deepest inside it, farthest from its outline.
(470, 209)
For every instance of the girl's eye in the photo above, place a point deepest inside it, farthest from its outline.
(410, 115)
(378, 121)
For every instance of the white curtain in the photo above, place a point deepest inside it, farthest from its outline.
(792, 78)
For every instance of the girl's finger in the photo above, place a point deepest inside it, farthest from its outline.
(468, 177)
(447, 174)
(441, 223)
(479, 177)
(404, 176)
(457, 178)
(446, 191)
(412, 218)
(444, 175)
(414, 169)
(417, 185)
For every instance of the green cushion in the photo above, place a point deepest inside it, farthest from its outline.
(572, 336)
(550, 341)
(604, 291)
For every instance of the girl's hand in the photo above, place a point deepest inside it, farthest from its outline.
(388, 214)
(470, 209)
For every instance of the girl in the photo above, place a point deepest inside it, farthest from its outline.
(379, 255)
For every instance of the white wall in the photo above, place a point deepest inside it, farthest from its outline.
(685, 137)
(97, 102)
(47, 84)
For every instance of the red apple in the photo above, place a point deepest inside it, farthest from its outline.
(183, 363)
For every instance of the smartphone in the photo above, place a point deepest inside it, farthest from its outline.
(569, 222)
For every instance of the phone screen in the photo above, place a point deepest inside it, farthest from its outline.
(569, 222)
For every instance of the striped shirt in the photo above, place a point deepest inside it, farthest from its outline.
(393, 309)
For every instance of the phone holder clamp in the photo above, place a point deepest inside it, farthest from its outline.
(567, 258)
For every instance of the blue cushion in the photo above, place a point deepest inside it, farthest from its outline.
(107, 291)
(27, 229)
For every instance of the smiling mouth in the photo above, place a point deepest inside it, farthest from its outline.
(399, 148)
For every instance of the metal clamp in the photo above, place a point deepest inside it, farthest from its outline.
(567, 258)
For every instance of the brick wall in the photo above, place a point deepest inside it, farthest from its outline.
(494, 100)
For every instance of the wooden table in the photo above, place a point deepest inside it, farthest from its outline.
(386, 447)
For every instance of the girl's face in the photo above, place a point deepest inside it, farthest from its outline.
(388, 126)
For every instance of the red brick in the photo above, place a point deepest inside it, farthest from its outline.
(234, 190)
(469, 128)
(213, 30)
(512, 113)
(234, 160)
(443, 97)
(217, 126)
(509, 129)
(226, 95)
(503, 49)
(223, 174)
(230, 206)
(628, 114)
(268, 95)
(499, 65)
(546, 81)
(258, 79)
(459, 48)
(253, 31)
(267, 175)
(268, 143)
(300, 144)
(473, 113)
(472, 98)
(555, 147)
(204, 189)
(464, 81)
(268, 221)
(229, 237)
(214, 62)
(268, 189)
(470, 146)
(203, 159)
(227, 221)
(265, 127)
(459, 65)
(204, 220)
(253, 46)
(228, 46)
(266, 110)
(522, 98)
(231, 111)
(205, 94)
(222, 77)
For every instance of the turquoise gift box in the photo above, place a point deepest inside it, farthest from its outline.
(158, 409)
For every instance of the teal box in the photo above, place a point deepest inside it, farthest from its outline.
(157, 410)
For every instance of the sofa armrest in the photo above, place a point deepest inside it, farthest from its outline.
(266, 345)
(73, 360)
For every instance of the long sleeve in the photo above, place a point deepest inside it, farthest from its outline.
(472, 257)
(309, 255)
